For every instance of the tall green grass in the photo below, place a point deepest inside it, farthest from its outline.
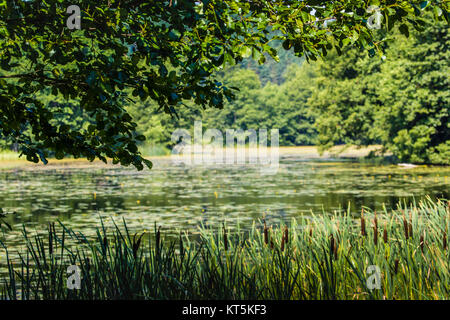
(317, 257)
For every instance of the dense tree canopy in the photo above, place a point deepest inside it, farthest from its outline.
(414, 121)
(162, 51)
(402, 102)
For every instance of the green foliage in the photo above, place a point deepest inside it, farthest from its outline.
(318, 257)
(273, 71)
(293, 114)
(254, 106)
(341, 99)
(166, 52)
(402, 102)
(412, 119)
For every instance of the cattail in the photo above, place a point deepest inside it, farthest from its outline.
(375, 229)
(335, 250)
(375, 219)
(332, 242)
(333, 246)
(282, 242)
(225, 238)
(50, 239)
(311, 233)
(266, 233)
(363, 224)
(444, 240)
(271, 244)
(405, 227)
(375, 235)
(396, 266)
(385, 234)
(158, 237)
(286, 234)
(181, 246)
(421, 241)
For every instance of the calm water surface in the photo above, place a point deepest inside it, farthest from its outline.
(178, 197)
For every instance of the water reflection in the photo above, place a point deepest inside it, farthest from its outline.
(179, 197)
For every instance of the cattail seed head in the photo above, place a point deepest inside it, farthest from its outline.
(311, 233)
(266, 233)
(385, 235)
(181, 246)
(375, 219)
(333, 246)
(396, 266)
(363, 224)
(282, 242)
(225, 238)
(158, 237)
(375, 235)
(421, 241)
(405, 227)
(50, 239)
(286, 234)
(444, 240)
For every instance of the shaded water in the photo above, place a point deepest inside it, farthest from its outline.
(178, 197)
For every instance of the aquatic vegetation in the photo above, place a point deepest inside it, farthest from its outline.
(316, 257)
(184, 197)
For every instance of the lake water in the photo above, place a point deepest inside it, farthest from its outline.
(182, 198)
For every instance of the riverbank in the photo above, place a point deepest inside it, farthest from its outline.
(401, 254)
(9, 159)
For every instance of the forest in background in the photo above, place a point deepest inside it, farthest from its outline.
(400, 100)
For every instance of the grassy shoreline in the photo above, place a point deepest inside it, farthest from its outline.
(320, 257)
